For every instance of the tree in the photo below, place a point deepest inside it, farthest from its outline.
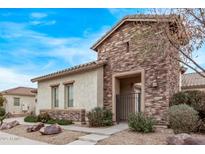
(185, 31)
(1, 100)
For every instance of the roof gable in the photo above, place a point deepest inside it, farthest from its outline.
(23, 91)
(136, 18)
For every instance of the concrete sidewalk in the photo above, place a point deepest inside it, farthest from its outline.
(94, 134)
(8, 139)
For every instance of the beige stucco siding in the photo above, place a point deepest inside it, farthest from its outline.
(87, 90)
(29, 101)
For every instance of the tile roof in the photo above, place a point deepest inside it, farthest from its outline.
(72, 70)
(136, 17)
(23, 91)
(192, 80)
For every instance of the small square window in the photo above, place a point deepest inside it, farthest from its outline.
(16, 101)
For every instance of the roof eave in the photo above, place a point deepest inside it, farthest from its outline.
(51, 76)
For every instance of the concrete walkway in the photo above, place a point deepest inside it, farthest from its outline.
(95, 134)
(8, 139)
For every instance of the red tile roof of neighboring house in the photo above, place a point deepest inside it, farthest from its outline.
(23, 91)
(72, 70)
(192, 80)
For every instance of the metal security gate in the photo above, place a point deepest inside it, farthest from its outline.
(126, 104)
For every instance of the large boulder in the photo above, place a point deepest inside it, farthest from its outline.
(177, 139)
(52, 129)
(35, 128)
(9, 125)
(185, 139)
(194, 141)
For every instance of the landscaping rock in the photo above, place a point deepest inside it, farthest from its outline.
(35, 128)
(9, 125)
(49, 130)
(194, 141)
(177, 139)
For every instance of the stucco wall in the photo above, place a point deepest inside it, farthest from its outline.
(87, 90)
(9, 106)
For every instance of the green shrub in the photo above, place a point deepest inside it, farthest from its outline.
(99, 117)
(141, 123)
(194, 98)
(179, 98)
(31, 118)
(1, 100)
(44, 117)
(2, 112)
(60, 121)
(183, 118)
(197, 101)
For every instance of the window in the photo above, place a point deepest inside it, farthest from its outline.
(16, 101)
(69, 95)
(55, 97)
(127, 46)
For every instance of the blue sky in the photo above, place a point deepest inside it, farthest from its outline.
(35, 42)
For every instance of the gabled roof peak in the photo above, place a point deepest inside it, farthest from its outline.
(135, 17)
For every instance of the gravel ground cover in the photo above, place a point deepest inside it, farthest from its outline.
(128, 137)
(63, 138)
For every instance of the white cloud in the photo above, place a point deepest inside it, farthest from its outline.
(27, 48)
(38, 15)
(10, 78)
(46, 23)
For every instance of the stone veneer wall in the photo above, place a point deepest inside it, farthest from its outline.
(70, 114)
(160, 69)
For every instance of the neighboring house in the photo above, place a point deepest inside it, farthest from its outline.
(120, 79)
(20, 100)
(193, 81)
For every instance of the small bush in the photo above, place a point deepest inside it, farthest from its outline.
(100, 117)
(182, 118)
(44, 117)
(2, 111)
(31, 118)
(179, 98)
(141, 123)
(60, 121)
(194, 98)
(197, 101)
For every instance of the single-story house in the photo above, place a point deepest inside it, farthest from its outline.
(193, 81)
(19, 100)
(121, 79)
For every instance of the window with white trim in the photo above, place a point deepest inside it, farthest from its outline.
(55, 99)
(69, 95)
(16, 101)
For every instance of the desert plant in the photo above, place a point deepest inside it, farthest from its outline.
(44, 117)
(183, 118)
(197, 101)
(141, 123)
(31, 118)
(99, 117)
(2, 111)
(194, 98)
(60, 121)
(2, 115)
(1, 100)
(179, 98)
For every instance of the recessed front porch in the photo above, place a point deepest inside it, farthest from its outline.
(128, 94)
